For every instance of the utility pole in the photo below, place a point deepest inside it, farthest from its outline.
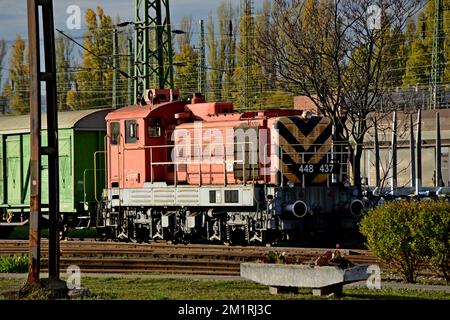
(377, 155)
(438, 174)
(130, 71)
(249, 37)
(419, 153)
(153, 59)
(115, 98)
(37, 75)
(437, 56)
(394, 154)
(202, 59)
(412, 151)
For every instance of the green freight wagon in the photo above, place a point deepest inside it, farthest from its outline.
(81, 142)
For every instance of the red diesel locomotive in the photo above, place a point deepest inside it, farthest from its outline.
(180, 170)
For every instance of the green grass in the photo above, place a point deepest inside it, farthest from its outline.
(14, 264)
(186, 289)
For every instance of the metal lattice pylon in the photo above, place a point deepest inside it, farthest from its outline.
(250, 36)
(153, 49)
(202, 59)
(438, 56)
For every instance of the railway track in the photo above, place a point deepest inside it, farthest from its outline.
(163, 258)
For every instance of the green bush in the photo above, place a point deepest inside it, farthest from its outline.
(434, 229)
(14, 264)
(408, 234)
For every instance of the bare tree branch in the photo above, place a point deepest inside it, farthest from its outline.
(332, 53)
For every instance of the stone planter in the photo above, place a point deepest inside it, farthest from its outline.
(288, 278)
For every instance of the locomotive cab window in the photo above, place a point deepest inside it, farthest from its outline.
(154, 128)
(131, 134)
(114, 131)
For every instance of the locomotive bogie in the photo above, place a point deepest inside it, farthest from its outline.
(255, 214)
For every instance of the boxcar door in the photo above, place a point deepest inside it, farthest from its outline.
(13, 174)
(65, 173)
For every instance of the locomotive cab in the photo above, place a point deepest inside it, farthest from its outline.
(135, 135)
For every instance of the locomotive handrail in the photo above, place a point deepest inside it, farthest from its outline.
(85, 202)
(200, 162)
(105, 146)
(95, 173)
(315, 151)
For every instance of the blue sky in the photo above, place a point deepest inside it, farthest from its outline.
(14, 21)
(13, 14)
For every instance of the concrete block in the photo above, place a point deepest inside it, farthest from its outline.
(324, 280)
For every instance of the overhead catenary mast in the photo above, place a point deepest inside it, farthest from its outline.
(249, 36)
(153, 47)
(437, 56)
(202, 59)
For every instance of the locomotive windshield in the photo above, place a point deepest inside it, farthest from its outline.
(154, 128)
(114, 130)
(131, 131)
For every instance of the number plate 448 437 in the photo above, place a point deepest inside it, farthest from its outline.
(324, 168)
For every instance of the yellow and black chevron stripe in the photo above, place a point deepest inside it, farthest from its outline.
(298, 142)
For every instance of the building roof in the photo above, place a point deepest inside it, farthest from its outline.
(81, 120)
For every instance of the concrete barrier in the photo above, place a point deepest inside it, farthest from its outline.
(288, 278)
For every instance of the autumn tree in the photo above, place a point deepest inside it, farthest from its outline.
(418, 65)
(185, 38)
(395, 57)
(124, 64)
(330, 52)
(247, 75)
(17, 89)
(268, 71)
(94, 79)
(2, 57)
(185, 60)
(215, 66)
(186, 71)
(64, 65)
(228, 30)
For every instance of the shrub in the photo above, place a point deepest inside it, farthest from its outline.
(14, 264)
(434, 229)
(407, 234)
(391, 233)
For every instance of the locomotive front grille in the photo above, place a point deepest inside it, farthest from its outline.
(302, 150)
